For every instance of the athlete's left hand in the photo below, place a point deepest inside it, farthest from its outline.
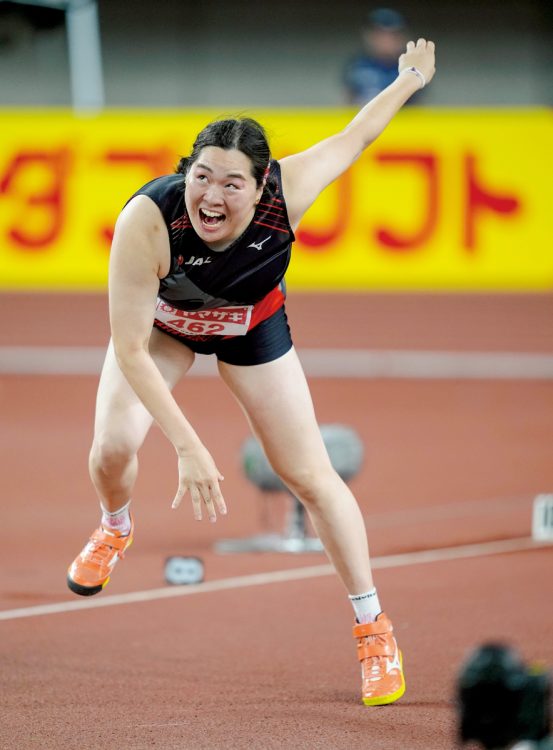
(421, 56)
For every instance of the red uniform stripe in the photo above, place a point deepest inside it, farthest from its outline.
(271, 205)
(271, 226)
(278, 217)
(267, 306)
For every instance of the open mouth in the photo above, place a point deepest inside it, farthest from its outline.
(211, 218)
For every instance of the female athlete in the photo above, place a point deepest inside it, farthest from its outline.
(197, 266)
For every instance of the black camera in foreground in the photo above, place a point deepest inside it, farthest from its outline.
(502, 701)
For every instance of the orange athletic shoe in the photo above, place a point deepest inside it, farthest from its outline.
(91, 569)
(381, 662)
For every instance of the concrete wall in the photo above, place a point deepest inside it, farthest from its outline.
(179, 53)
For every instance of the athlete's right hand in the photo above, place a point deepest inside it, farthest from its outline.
(199, 476)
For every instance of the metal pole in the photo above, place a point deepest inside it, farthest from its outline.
(85, 50)
(85, 55)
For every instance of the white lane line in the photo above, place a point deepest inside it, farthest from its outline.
(363, 363)
(278, 576)
(340, 363)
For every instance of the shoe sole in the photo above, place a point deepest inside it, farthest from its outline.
(76, 588)
(384, 700)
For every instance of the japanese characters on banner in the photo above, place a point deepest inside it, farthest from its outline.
(444, 200)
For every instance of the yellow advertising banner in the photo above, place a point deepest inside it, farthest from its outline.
(443, 200)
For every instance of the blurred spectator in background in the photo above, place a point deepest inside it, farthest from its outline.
(383, 36)
(503, 704)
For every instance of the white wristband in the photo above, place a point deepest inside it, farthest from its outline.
(416, 72)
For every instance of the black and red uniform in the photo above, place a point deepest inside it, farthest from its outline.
(228, 303)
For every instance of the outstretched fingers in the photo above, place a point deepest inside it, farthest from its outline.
(203, 493)
(199, 476)
(178, 497)
(217, 497)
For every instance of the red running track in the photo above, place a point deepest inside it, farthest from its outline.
(273, 666)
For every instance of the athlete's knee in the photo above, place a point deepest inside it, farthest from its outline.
(111, 451)
(308, 484)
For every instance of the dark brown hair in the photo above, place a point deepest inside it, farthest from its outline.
(244, 134)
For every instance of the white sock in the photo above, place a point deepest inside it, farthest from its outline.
(366, 606)
(118, 520)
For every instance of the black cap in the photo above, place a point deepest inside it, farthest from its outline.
(386, 18)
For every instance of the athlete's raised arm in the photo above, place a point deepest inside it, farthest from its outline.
(139, 258)
(306, 174)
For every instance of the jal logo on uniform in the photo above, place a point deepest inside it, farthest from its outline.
(193, 261)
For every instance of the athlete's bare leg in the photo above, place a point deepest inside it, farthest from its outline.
(276, 399)
(122, 422)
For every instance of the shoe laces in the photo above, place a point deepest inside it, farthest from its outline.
(375, 669)
(372, 665)
(98, 552)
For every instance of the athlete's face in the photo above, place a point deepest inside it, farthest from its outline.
(221, 195)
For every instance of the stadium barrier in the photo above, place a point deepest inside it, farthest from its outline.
(444, 200)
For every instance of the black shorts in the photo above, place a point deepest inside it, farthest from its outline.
(269, 340)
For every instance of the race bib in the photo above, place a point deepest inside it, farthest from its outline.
(219, 321)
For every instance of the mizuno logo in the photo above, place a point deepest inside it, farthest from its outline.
(259, 245)
(394, 663)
